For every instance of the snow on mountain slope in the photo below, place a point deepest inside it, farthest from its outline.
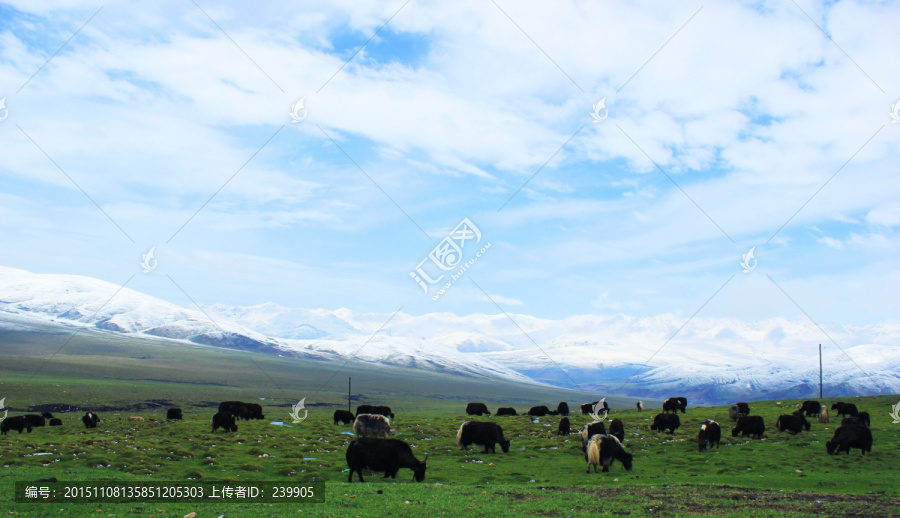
(710, 360)
(71, 300)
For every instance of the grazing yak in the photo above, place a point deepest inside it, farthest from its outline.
(665, 422)
(506, 411)
(478, 409)
(845, 409)
(55, 422)
(90, 420)
(617, 428)
(588, 408)
(749, 425)
(482, 433)
(850, 436)
(343, 416)
(46, 415)
(538, 411)
(372, 425)
(743, 408)
(640, 406)
(224, 420)
(174, 413)
(823, 415)
(674, 404)
(375, 410)
(794, 423)
(135, 419)
(35, 420)
(710, 434)
(241, 410)
(811, 408)
(590, 430)
(562, 408)
(603, 449)
(387, 455)
(17, 423)
(565, 428)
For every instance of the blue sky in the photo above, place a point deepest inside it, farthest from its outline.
(724, 121)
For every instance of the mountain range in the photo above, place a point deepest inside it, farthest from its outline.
(708, 360)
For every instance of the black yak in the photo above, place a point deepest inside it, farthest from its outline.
(506, 411)
(864, 418)
(617, 428)
(241, 410)
(590, 430)
(673, 404)
(850, 436)
(482, 433)
(478, 409)
(46, 415)
(90, 420)
(343, 416)
(602, 450)
(224, 420)
(794, 423)
(375, 410)
(17, 423)
(743, 408)
(56, 422)
(372, 425)
(562, 408)
(35, 420)
(710, 434)
(811, 408)
(564, 427)
(664, 422)
(588, 408)
(174, 413)
(387, 455)
(538, 411)
(845, 409)
(749, 425)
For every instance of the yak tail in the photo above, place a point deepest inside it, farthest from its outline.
(593, 454)
(460, 433)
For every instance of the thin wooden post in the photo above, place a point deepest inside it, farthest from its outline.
(820, 371)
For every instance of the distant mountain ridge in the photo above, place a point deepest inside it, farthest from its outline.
(711, 360)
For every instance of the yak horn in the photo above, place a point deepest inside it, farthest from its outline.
(425, 459)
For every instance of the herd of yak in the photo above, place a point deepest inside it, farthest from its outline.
(376, 450)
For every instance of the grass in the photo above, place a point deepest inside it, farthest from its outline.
(542, 475)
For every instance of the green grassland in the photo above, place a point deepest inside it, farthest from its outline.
(542, 475)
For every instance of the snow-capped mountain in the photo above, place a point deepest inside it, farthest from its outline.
(709, 360)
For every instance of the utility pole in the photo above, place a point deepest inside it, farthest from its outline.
(349, 380)
(820, 371)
